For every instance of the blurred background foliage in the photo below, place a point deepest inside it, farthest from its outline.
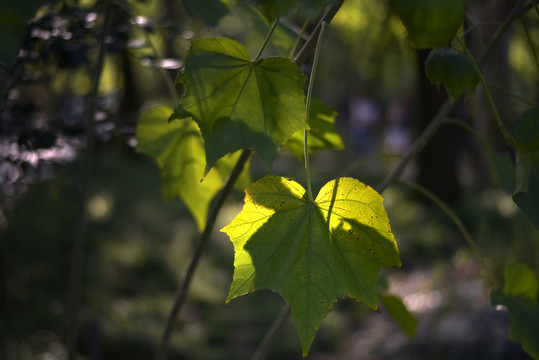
(137, 245)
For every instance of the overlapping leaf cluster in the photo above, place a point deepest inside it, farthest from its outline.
(312, 253)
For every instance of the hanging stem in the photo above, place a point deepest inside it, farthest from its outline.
(164, 74)
(266, 40)
(77, 253)
(467, 236)
(308, 108)
(506, 134)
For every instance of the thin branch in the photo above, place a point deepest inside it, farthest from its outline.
(271, 334)
(77, 254)
(187, 277)
(162, 71)
(310, 44)
(506, 134)
(456, 220)
(444, 110)
(307, 111)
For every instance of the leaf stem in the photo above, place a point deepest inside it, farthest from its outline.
(77, 252)
(266, 40)
(307, 48)
(298, 39)
(308, 108)
(187, 277)
(506, 134)
(456, 220)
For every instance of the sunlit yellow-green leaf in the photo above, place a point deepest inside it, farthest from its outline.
(312, 254)
(178, 148)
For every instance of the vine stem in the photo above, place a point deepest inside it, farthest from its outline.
(162, 71)
(298, 39)
(465, 233)
(506, 134)
(265, 344)
(187, 277)
(77, 252)
(307, 111)
(438, 118)
(266, 39)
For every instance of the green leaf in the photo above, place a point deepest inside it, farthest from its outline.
(178, 149)
(322, 133)
(398, 311)
(211, 10)
(311, 253)
(526, 194)
(238, 103)
(520, 297)
(274, 8)
(430, 23)
(520, 281)
(453, 69)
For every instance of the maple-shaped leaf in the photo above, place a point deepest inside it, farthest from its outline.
(238, 103)
(322, 133)
(178, 148)
(311, 253)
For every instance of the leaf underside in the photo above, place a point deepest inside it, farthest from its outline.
(238, 103)
(312, 254)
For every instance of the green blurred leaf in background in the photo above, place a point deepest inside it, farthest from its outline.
(178, 148)
(430, 23)
(453, 70)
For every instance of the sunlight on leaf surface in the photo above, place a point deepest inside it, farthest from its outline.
(240, 104)
(311, 253)
(178, 148)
